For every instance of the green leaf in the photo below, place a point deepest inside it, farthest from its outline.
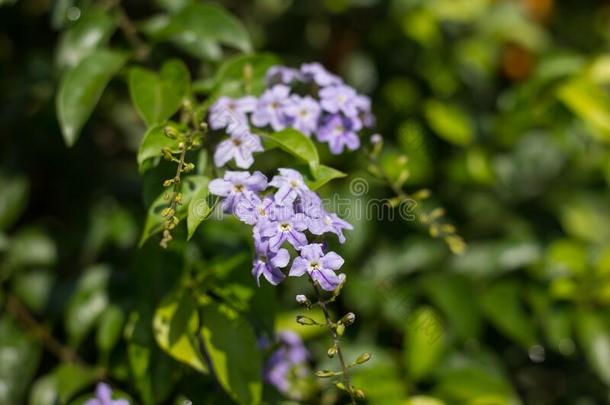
(201, 29)
(503, 306)
(33, 288)
(590, 103)
(424, 342)
(29, 248)
(230, 77)
(152, 145)
(44, 391)
(71, 378)
(81, 88)
(198, 209)
(19, 359)
(87, 303)
(322, 175)
(474, 385)
(594, 336)
(158, 96)
(13, 199)
(109, 329)
(297, 144)
(453, 295)
(91, 31)
(233, 351)
(175, 327)
(449, 122)
(189, 187)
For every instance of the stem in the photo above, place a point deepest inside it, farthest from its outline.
(39, 332)
(337, 343)
(142, 50)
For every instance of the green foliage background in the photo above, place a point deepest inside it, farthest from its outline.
(501, 107)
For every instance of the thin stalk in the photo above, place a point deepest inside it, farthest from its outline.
(336, 341)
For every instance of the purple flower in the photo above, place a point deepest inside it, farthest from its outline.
(231, 113)
(340, 98)
(235, 186)
(339, 132)
(287, 366)
(282, 74)
(268, 264)
(270, 108)
(252, 209)
(240, 147)
(103, 396)
(287, 226)
(329, 222)
(309, 203)
(319, 266)
(303, 113)
(316, 72)
(290, 185)
(363, 104)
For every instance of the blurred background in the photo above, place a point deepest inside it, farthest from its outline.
(502, 108)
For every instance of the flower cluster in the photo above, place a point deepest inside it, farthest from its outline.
(309, 99)
(284, 213)
(287, 366)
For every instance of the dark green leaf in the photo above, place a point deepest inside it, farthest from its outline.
(19, 358)
(33, 288)
(158, 97)
(297, 144)
(424, 343)
(81, 88)
(71, 378)
(109, 329)
(175, 326)
(87, 303)
(13, 199)
(153, 143)
(202, 28)
(233, 351)
(198, 209)
(91, 31)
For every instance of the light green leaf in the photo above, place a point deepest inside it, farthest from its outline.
(233, 350)
(87, 303)
(152, 145)
(30, 247)
(323, 174)
(202, 28)
(424, 342)
(34, 288)
(175, 327)
(474, 385)
(19, 359)
(109, 329)
(449, 122)
(13, 199)
(81, 88)
(594, 336)
(503, 306)
(198, 209)
(91, 31)
(158, 97)
(590, 103)
(297, 144)
(189, 187)
(44, 391)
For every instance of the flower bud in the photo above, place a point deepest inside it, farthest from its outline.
(331, 352)
(363, 358)
(325, 373)
(170, 132)
(348, 319)
(340, 329)
(168, 182)
(302, 300)
(359, 393)
(305, 320)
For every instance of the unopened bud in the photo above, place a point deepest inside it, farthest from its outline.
(302, 299)
(340, 329)
(376, 138)
(170, 132)
(331, 352)
(189, 167)
(168, 212)
(181, 145)
(325, 373)
(348, 319)
(359, 393)
(363, 358)
(168, 182)
(305, 320)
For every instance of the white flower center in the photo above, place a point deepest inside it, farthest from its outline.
(328, 220)
(284, 226)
